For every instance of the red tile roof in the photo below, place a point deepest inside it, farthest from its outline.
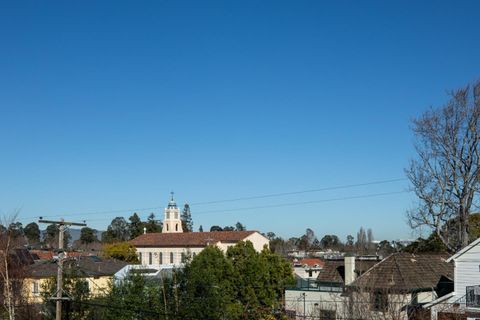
(48, 255)
(311, 262)
(189, 239)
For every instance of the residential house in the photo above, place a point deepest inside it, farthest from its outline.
(464, 301)
(396, 287)
(172, 246)
(308, 268)
(323, 297)
(95, 271)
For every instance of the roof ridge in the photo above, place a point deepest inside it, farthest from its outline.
(371, 268)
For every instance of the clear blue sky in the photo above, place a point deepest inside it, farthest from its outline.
(112, 104)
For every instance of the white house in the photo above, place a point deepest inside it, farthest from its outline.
(323, 297)
(465, 299)
(172, 246)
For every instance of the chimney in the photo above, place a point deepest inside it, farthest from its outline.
(349, 269)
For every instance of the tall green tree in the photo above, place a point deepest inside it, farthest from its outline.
(259, 279)
(117, 231)
(16, 229)
(32, 233)
(207, 287)
(240, 227)
(186, 217)
(88, 235)
(135, 226)
(153, 225)
(215, 228)
(51, 236)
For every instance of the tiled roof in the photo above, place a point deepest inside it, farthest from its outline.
(310, 262)
(86, 266)
(189, 239)
(405, 271)
(48, 254)
(333, 271)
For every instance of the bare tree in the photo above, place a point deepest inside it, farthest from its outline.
(7, 270)
(445, 175)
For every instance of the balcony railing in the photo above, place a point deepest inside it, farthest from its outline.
(473, 296)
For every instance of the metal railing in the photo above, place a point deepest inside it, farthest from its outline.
(473, 297)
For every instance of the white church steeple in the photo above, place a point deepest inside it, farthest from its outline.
(171, 221)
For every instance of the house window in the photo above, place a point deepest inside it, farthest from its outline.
(160, 258)
(176, 227)
(150, 258)
(171, 257)
(328, 315)
(183, 257)
(168, 215)
(380, 301)
(167, 227)
(35, 288)
(140, 257)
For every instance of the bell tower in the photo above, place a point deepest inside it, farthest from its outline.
(171, 221)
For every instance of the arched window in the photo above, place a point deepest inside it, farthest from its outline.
(171, 257)
(167, 227)
(160, 258)
(183, 257)
(150, 258)
(140, 257)
(168, 214)
(176, 227)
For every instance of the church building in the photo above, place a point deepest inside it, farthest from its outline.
(172, 245)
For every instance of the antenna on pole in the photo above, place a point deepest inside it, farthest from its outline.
(61, 255)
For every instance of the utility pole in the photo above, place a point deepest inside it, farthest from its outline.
(61, 255)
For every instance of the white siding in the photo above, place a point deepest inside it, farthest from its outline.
(314, 301)
(467, 270)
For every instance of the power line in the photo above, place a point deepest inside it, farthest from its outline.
(347, 186)
(307, 202)
(372, 195)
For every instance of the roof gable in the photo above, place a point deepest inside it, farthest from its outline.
(464, 250)
(404, 271)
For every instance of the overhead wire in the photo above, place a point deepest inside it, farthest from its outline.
(253, 198)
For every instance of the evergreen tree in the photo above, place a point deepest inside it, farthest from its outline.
(135, 226)
(186, 217)
(200, 229)
(32, 233)
(153, 225)
(88, 235)
(207, 286)
(118, 230)
(51, 236)
(240, 227)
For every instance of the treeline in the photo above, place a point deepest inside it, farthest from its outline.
(363, 244)
(239, 284)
